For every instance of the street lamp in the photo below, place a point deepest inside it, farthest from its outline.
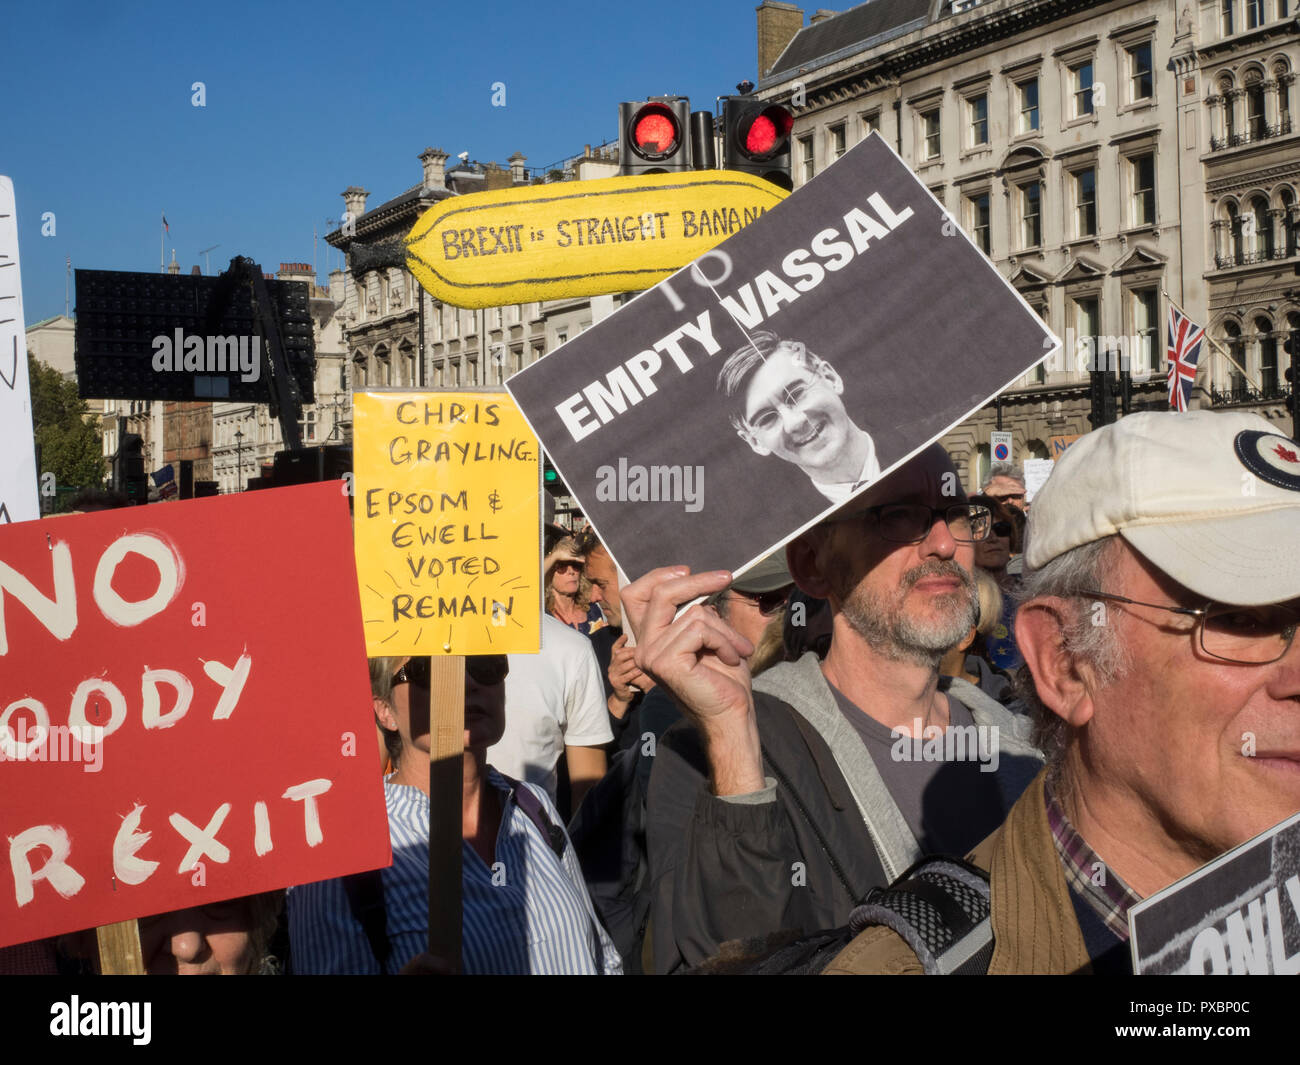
(239, 460)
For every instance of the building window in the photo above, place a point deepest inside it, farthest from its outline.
(1085, 203)
(1225, 17)
(839, 143)
(930, 135)
(1146, 327)
(307, 425)
(1143, 171)
(1254, 13)
(978, 222)
(1081, 89)
(1267, 356)
(1290, 224)
(343, 377)
(1141, 84)
(806, 157)
(1031, 215)
(561, 337)
(1255, 125)
(869, 123)
(1027, 91)
(1263, 227)
(977, 113)
(1087, 319)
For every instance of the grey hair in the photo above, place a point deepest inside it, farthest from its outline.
(381, 687)
(1066, 576)
(1003, 469)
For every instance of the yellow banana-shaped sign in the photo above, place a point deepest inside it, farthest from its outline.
(582, 238)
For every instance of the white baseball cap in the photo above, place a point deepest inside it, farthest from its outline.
(1211, 498)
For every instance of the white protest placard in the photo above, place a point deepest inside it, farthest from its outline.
(1240, 914)
(18, 493)
(720, 413)
(1036, 473)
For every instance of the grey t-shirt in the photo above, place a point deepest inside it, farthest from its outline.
(942, 788)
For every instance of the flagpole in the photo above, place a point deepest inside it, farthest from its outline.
(162, 237)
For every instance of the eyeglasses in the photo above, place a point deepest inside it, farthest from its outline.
(1245, 635)
(486, 670)
(768, 603)
(910, 523)
(566, 564)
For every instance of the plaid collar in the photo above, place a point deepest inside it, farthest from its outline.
(1090, 878)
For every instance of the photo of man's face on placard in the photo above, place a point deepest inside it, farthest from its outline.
(714, 416)
(788, 402)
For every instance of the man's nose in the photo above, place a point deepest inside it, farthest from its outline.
(186, 946)
(939, 541)
(792, 418)
(597, 596)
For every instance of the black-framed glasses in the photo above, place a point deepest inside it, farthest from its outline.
(910, 523)
(1245, 635)
(768, 603)
(483, 669)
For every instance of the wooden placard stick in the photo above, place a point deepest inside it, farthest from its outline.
(120, 953)
(446, 776)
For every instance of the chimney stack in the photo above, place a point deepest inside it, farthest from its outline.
(820, 15)
(517, 173)
(434, 161)
(354, 201)
(777, 25)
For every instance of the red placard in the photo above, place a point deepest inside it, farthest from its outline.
(217, 643)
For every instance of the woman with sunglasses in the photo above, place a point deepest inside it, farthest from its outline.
(993, 555)
(568, 592)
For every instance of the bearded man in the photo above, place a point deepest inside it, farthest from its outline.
(782, 801)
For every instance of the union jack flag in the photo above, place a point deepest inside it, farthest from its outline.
(1186, 339)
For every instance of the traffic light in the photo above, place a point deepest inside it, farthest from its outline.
(128, 470)
(756, 138)
(1292, 347)
(1102, 394)
(551, 479)
(653, 136)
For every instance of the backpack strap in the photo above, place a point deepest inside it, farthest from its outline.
(531, 805)
(941, 909)
(365, 892)
(532, 808)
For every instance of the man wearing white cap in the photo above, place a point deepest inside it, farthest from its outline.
(1158, 623)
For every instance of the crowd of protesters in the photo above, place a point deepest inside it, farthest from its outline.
(739, 760)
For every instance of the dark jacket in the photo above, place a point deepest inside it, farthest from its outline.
(802, 853)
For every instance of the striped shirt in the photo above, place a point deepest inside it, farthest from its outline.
(1090, 878)
(530, 912)
(325, 937)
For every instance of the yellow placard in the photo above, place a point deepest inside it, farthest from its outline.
(447, 523)
(583, 238)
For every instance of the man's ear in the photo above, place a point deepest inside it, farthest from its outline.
(828, 374)
(1062, 685)
(803, 557)
(384, 714)
(752, 441)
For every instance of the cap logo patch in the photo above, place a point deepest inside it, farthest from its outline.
(1271, 457)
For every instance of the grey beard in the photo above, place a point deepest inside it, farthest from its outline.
(900, 638)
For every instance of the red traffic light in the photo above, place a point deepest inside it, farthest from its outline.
(655, 133)
(767, 132)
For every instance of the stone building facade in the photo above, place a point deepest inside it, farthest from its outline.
(1073, 141)
(392, 326)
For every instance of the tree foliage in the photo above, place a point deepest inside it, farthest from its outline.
(70, 447)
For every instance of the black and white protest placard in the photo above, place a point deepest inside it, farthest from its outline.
(731, 406)
(1240, 914)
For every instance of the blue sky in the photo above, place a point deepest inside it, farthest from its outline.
(302, 100)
